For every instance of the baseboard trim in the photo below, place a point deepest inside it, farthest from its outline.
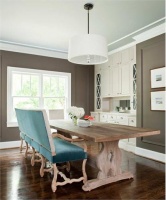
(11, 144)
(143, 152)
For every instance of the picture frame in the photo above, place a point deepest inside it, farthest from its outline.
(158, 100)
(158, 77)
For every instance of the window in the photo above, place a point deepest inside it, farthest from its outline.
(34, 89)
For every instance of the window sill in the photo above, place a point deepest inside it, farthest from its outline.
(12, 124)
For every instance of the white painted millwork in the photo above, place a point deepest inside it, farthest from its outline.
(132, 121)
(95, 117)
(114, 117)
(125, 79)
(105, 81)
(116, 79)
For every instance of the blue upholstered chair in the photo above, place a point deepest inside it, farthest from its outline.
(35, 130)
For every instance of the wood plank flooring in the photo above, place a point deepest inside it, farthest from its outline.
(20, 181)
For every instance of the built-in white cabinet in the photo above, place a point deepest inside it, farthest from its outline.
(95, 116)
(118, 118)
(116, 76)
(103, 117)
(125, 79)
(121, 80)
(116, 80)
(105, 83)
(132, 121)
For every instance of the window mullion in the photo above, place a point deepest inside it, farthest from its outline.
(41, 99)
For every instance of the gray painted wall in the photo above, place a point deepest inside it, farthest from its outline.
(82, 83)
(0, 98)
(150, 55)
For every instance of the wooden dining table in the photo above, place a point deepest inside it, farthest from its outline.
(102, 140)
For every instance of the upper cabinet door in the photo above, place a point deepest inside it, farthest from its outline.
(116, 59)
(125, 56)
(115, 80)
(125, 78)
(105, 81)
(133, 54)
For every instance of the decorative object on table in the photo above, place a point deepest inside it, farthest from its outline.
(88, 49)
(88, 117)
(75, 113)
(158, 100)
(86, 122)
(83, 123)
(158, 78)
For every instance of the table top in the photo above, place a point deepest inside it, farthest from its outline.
(102, 132)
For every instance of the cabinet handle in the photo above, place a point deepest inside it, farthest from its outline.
(132, 120)
(121, 117)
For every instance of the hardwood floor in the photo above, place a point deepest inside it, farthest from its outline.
(20, 181)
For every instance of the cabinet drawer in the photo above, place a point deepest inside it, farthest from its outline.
(95, 117)
(132, 121)
(111, 118)
(103, 117)
(112, 121)
(123, 120)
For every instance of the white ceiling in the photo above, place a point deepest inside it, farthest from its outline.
(50, 23)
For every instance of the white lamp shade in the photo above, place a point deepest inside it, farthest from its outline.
(88, 49)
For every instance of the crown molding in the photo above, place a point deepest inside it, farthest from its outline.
(146, 35)
(34, 50)
(122, 48)
(54, 53)
(153, 32)
(137, 31)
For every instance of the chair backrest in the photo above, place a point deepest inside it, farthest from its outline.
(34, 124)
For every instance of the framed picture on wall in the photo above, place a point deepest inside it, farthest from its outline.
(158, 77)
(158, 100)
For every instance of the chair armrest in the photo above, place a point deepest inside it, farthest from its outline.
(84, 146)
(54, 135)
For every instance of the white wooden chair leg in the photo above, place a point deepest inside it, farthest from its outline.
(54, 181)
(42, 166)
(21, 144)
(33, 157)
(26, 151)
(84, 171)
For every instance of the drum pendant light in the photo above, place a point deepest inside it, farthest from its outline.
(88, 49)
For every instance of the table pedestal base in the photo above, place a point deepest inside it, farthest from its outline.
(95, 183)
(108, 162)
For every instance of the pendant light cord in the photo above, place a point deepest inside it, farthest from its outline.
(88, 21)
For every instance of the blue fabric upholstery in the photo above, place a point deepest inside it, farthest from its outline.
(66, 151)
(33, 130)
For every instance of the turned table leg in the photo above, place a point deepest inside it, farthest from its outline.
(109, 164)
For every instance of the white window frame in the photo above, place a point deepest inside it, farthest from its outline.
(10, 70)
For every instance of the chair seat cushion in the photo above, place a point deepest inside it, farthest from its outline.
(66, 151)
